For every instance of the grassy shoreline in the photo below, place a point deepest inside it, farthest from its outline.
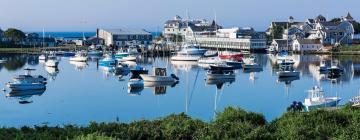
(232, 123)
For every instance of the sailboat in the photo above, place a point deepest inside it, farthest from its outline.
(43, 56)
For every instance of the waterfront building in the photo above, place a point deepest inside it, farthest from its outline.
(307, 45)
(179, 26)
(124, 37)
(280, 45)
(329, 33)
(231, 38)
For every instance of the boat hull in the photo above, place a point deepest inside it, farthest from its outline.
(51, 63)
(185, 58)
(78, 59)
(288, 74)
(220, 76)
(151, 78)
(331, 102)
(29, 86)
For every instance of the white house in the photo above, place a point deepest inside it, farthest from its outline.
(280, 45)
(307, 45)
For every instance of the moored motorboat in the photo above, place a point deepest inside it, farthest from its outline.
(108, 61)
(191, 49)
(234, 63)
(316, 99)
(185, 58)
(27, 82)
(210, 60)
(52, 61)
(42, 57)
(3, 61)
(129, 58)
(159, 75)
(79, 57)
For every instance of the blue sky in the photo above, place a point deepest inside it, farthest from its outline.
(87, 15)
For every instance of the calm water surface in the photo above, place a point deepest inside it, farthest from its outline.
(78, 93)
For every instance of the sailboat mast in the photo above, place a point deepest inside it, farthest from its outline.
(43, 37)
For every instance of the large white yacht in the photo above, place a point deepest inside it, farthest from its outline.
(27, 82)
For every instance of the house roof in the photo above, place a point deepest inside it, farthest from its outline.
(348, 16)
(281, 41)
(328, 23)
(309, 41)
(127, 31)
(310, 20)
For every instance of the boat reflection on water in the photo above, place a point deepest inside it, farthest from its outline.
(258, 69)
(52, 71)
(159, 88)
(287, 80)
(219, 82)
(79, 65)
(184, 65)
(219, 87)
(24, 96)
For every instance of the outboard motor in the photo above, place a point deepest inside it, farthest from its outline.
(175, 77)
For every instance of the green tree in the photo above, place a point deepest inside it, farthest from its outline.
(14, 35)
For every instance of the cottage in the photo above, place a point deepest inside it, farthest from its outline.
(307, 45)
(123, 37)
(280, 45)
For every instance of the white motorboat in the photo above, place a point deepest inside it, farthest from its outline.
(27, 82)
(250, 63)
(191, 49)
(31, 78)
(108, 61)
(79, 57)
(210, 60)
(132, 50)
(52, 61)
(121, 54)
(159, 75)
(129, 58)
(218, 75)
(79, 65)
(42, 57)
(316, 99)
(185, 58)
(3, 61)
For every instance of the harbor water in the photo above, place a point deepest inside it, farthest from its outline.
(78, 93)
